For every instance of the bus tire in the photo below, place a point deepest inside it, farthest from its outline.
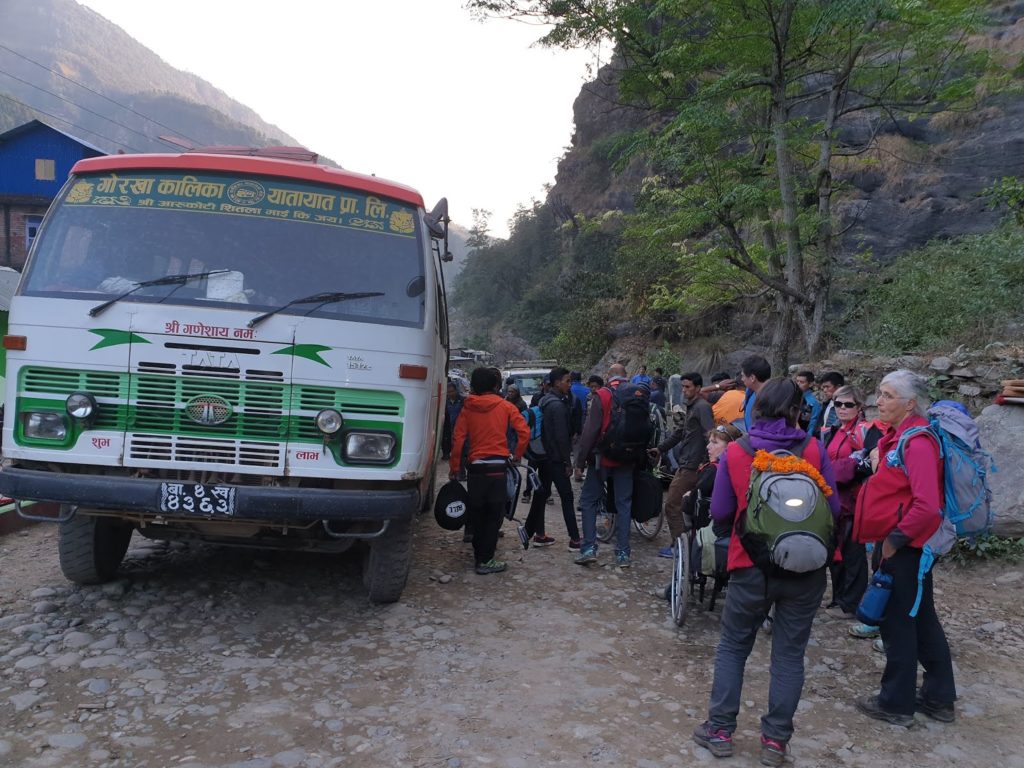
(91, 548)
(386, 565)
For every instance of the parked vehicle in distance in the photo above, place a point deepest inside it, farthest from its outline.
(528, 375)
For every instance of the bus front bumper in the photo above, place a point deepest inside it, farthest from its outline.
(270, 503)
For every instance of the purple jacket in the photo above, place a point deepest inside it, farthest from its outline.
(769, 434)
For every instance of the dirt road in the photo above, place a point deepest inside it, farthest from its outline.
(201, 656)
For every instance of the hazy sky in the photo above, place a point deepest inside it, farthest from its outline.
(411, 90)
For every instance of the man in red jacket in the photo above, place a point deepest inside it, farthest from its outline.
(485, 421)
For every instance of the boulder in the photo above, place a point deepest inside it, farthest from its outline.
(1001, 428)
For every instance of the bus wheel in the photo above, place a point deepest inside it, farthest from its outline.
(91, 548)
(386, 565)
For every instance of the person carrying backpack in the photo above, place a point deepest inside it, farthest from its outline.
(553, 457)
(787, 471)
(901, 506)
(609, 450)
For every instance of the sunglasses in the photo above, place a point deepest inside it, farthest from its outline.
(845, 404)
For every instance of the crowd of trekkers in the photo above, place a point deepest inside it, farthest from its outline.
(726, 442)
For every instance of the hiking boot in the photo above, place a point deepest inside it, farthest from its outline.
(622, 559)
(869, 706)
(717, 741)
(773, 751)
(668, 552)
(586, 556)
(944, 713)
(540, 540)
(491, 566)
(864, 631)
(575, 544)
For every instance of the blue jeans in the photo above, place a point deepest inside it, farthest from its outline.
(590, 497)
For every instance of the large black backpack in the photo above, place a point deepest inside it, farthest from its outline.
(629, 428)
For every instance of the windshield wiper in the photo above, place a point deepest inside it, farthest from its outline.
(317, 298)
(177, 280)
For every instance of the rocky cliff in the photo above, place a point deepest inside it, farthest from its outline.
(921, 182)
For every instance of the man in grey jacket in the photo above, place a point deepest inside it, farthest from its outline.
(692, 437)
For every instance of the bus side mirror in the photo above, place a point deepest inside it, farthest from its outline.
(437, 224)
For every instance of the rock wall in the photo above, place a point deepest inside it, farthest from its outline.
(1002, 430)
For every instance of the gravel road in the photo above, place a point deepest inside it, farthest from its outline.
(202, 656)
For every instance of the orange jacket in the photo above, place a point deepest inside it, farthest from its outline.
(485, 422)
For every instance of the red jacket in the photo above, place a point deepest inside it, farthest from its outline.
(741, 466)
(485, 420)
(892, 498)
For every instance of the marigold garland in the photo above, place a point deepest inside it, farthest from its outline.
(767, 462)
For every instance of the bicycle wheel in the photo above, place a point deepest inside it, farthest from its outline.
(681, 582)
(605, 521)
(650, 529)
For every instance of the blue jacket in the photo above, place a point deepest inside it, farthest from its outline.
(582, 393)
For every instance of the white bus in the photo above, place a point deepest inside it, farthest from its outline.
(238, 346)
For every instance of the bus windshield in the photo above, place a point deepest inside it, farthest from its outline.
(264, 242)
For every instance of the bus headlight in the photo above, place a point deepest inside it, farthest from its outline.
(368, 447)
(329, 421)
(81, 406)
(45, 425)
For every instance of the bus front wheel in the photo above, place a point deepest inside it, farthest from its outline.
(91, 548)
(386, 565)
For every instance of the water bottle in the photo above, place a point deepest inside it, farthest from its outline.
(872, 606)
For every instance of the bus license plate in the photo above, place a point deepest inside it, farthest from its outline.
(197, 499)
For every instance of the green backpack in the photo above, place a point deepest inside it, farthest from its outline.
(787, 526)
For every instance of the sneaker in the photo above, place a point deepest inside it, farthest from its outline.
(864, 631)
(527, 498)
(575, 544)
(586, 556)
(551, 501)
(491, 566)
(717, 741)
(944, 713)
(668, 552)
(542, 541)
(869, 706)
(773, 751)
(622, 560)
(767, 625)
(878, 645)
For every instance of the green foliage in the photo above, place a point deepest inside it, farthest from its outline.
(583, 336)
(665, 359)
(988, 548)
(1009, 192)
(753, 100)
(959, 291)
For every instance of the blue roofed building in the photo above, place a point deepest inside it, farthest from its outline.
(35, 159)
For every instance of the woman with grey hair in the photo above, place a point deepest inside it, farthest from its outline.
(901, 507)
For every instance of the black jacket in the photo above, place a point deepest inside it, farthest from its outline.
(556, 427)
(693, 434)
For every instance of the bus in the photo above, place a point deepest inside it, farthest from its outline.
(240, 346)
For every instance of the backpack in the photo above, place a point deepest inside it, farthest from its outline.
(534, 420)
(629, 426)
(787, 527)
(967, 498)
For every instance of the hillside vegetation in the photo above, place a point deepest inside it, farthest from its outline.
(784, 174)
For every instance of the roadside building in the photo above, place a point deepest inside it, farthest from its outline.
(35, 159)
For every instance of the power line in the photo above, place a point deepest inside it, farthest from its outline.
(97, 93)
(84, 109)
(73, 125)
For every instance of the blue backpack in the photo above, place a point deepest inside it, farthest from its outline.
(534, 420)
(967, 499)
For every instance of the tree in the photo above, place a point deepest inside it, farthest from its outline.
(755, 97)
